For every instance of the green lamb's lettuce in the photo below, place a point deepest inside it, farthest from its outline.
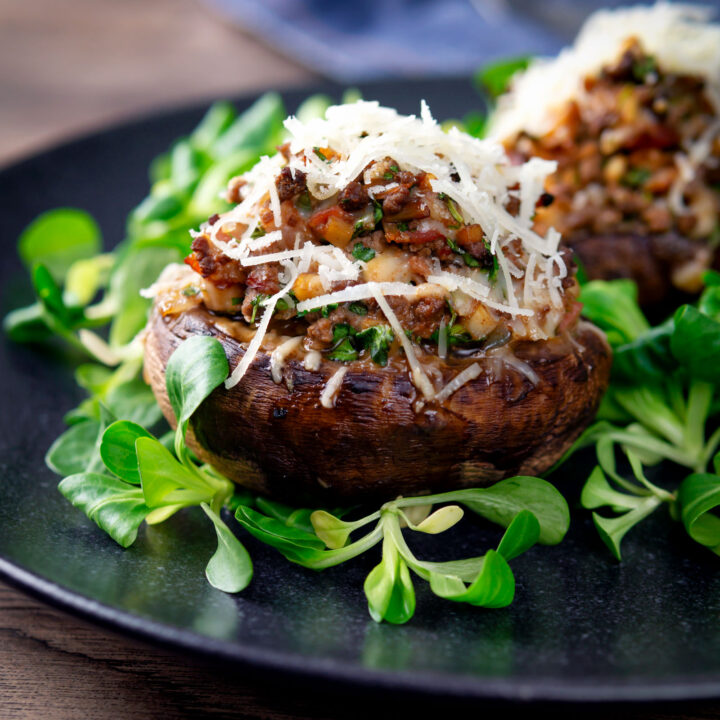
(123, 469)
(659, 406)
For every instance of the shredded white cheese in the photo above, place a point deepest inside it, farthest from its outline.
(678, 35)
(358, 292)
(280, 353)
(312, 361)
(420, 379)
(468, 374)
(475, 175)
(237, 374)
(328, 397)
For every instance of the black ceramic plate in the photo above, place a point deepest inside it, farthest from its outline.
(581, 628)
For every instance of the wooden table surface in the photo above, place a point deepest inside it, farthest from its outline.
(67, 66)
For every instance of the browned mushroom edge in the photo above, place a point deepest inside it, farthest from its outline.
(373, 444)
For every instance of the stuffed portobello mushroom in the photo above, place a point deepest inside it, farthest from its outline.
(393, 323)
(631, 115)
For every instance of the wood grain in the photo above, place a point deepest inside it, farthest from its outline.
(67, 66)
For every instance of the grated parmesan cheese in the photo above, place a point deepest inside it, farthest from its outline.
(420, 379)
(328, 397)
(280, 353)
(475, 175)
(462, 378)
(678, 35)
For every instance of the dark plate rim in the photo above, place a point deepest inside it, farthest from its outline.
(429, 684)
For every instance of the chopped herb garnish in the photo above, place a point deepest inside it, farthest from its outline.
(403, 227)
(644, 67)
(320, 154)
(359, 228)
(255, 303)
(236, 301)
(361, 252)
(344, 352)
(327, 309)
(342, 330)
(636, 177)
(470, 261)
(349, 342)
(376, 340)
(378, 216)
(190, 291)
(358, 308)
(303, 201)
(452, 207)
(258, 232)
(281, 305)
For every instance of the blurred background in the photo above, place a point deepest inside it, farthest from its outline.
(67, 66)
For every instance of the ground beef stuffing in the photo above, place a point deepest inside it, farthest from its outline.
(617, 148)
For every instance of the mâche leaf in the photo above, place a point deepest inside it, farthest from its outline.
(495, 77)
(230, 568)
(59, 238)
(194, 370)
(494, 587)
(389, 589)
(116, 507)
(72, 452)
(117, 449)
(501, 502)
(695, 343)
(698, 496)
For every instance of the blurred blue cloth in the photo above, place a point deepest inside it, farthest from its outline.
(365, 39)
(352, 40)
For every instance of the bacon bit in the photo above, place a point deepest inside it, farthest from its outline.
(570, 317)
(194, 263)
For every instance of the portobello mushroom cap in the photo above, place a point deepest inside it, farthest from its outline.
(373, 444)
(630, 115)
(651, 261)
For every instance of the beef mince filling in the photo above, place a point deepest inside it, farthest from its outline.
(388, 218)
(622, 148)
(356, 244)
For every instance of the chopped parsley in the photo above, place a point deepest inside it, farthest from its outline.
(343, 351)
(190, 291)
(258, 232)
(255, 303)
(349, 343)
(359, 229)
(403, 227)
(644, 67)
(303, 201)
(320, 154)
(361, 252)
(452, 207)
(455, 333)
(490, 267)
(236, 300)
(376, 340)
(325, 310)
(358, 308)
(378, 214)
(636, 177)
(390, 174)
